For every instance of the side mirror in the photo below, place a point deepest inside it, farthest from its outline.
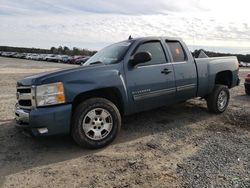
(141, 57)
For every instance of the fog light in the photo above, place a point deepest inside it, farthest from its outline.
(42, 130)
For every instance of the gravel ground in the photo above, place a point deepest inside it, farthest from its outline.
(178, 146)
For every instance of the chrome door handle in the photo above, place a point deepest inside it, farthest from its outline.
(166, 71)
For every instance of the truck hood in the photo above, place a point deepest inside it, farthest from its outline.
(30, 80)
(62, 75)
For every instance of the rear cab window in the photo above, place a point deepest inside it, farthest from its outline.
(177, 51)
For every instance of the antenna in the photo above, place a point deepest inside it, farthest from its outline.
(130, 37)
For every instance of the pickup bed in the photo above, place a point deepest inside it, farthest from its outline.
(122, 79)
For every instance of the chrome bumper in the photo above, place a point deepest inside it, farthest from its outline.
(21, 116)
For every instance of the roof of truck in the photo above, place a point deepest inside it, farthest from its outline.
(156, 37)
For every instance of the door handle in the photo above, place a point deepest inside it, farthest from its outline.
(166, 71)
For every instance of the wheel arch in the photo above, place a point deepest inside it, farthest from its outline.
(112, 94)
(224, 78)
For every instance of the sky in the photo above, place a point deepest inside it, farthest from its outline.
(218, 25)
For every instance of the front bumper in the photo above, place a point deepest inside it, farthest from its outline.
(22, 116)
(45, 121)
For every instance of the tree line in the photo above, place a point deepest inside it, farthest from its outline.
(53, 50)
(244, 58)
(85, 52)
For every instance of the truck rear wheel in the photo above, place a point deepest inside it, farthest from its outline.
(95, 123)
(218, 100)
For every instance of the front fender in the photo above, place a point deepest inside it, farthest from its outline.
(108, 78)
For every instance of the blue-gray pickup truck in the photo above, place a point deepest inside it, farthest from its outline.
(122, 79)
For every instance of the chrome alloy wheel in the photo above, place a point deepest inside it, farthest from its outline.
(97, 124)
(222, 100)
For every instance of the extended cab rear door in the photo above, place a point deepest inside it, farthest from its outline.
(150, 84)
(184, 68)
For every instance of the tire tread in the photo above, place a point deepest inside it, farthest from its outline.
(212, 99)
(79, 137)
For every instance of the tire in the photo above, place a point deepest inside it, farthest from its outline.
(95, 123)
(220, 92)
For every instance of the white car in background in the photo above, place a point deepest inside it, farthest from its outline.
(28, 56)
(42, 57)
(63, 58)
(32, 56)
(8, 54)
(51, 57)
(244, 64)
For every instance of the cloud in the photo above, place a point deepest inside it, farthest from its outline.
(96, 23)
(28, 7)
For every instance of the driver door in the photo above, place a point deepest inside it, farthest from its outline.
(151, 84)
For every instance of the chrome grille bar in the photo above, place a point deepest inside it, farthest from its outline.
(26, 97)
(23, 96)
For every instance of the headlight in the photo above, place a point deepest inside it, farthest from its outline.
(50, 94)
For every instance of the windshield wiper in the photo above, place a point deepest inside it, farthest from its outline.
(96, 62)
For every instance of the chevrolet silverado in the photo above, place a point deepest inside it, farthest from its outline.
(122, 79)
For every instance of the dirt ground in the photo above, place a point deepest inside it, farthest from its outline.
(178, 146)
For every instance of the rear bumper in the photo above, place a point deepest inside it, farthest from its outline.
(45, 121)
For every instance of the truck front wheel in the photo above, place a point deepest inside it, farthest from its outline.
(95, 123)
(218, 100)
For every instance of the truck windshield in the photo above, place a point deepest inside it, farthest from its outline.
(110, 54)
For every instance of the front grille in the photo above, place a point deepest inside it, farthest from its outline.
(25, 97)
(25, 103)
(24, 90)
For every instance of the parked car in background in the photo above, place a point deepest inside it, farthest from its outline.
(16, 55)
(8, 54)
(81, 61)
(3, 54)
(244, 64)
(247, 84)
(63, 58)
(20, 55)
(28, 56)
(44, 56)
(33, 56)
(52, 58)
(36, 57)
(60, 58)
(41, 57)
(74, 59)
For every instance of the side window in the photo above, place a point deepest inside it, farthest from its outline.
(177, 51)
(156, 50)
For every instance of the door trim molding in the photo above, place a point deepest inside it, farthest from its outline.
(151, 94)
(186, 87)
(158, 93)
